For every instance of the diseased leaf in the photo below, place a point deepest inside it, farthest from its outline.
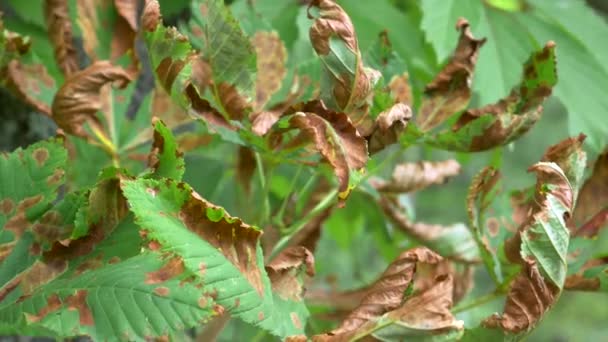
(410, 177)
(541, 242)
(346, 83)
(220, 250)
(500, 123)
(245, 167)
(593, 197)
(337, 141)
(450, 91)
(386, 310)
(482, 192)
(285, 270)
(165, 158)
(454, 241)
(60, 33)
(78, 101)
(388, 127)
(271, 58)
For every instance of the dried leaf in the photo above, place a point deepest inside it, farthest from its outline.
(410, 177)
(245, 167)
(285, 269)
(32, 84)
(128, 11)
(504, 121)
(337, 140)
(401, 90)
(271, 58)
(386, 294)
(450, 91)
(454, 242)
(81, 97)
(593, 197)
(389, 126)
(347, 83)
(60, 33)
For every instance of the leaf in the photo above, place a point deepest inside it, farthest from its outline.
(337, 141)
(410, 177)
(593, 197)
(285, 270)
(454, 241)
(78, 101)
(165, 158)
(220, 250)
(271, 58)
(108, 28)
(450, 92)
(382, 57)
(542, 241)
(245, 167)
(500, 123)
(59, 26)
(482, 192)
(229, 53)
(387, 311)
(346, 83)
(388, 127)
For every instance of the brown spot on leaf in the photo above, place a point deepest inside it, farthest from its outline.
(203, 302)
(218, 309)
(6, 206)
(173, 268)
(40, 273)
(271, 59)
(78, 302)
(90, 264)
(114, 260)
(56, 177)
(295, 320)
(493, 226)
(53, 303)
(154, 245)
(202, 268)
(162, 291)
(19, 222)
(260, 316)
(50, 227)
(41, 155)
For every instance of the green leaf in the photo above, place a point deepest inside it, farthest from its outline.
(221, 250)
(165, 158)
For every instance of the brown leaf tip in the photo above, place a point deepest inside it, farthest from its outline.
(550, 44)
(151, 16)
(462, 24)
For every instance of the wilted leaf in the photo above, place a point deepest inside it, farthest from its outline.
(450, 91)
(501, 123)
(165, 158)
(60, 33)
(388, 127)
(78, 101)
(410, 177)
(220, 250)
(482, 192)
(454, 241)
(346, 83)
(337, 141)
(271, 58)
(285, 270)
(386, 309)
(593, 197)
(245, 167)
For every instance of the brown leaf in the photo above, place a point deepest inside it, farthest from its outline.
(450, 91)
(337, 140)
(389, 126)
(150, 17)
(401, 90)
(386, 294)
(284, 271)
(462, 274)
(410, 177)
(245, 167)
(351, 83)
(128, 10)
(593, 196)
(30, 82)
(271, 58)
(529, 297)
(60, 33)
(81, 97)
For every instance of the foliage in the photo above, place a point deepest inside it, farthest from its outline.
(291, 118)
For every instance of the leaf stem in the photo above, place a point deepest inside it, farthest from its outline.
(265, 190)
(281, 213)
(477, 301)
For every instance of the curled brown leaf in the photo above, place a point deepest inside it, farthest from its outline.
(386, 294)
(593, 197)
(450, 91)
(60, 33)
(284, 271)
(150, 17)
(336, 139)
(81, 97)
(410, 177)
(389, 125)
(401, 90)
(333, 21)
